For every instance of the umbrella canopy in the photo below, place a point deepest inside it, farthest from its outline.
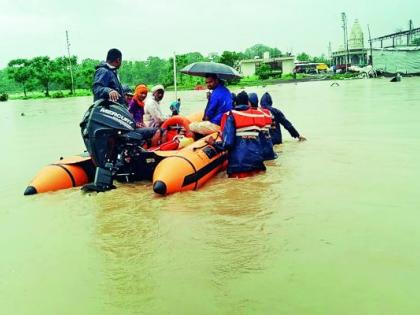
(202, 68)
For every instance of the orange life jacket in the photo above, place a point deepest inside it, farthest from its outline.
(268, 118)
(248, 122)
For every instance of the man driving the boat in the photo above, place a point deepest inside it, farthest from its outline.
(106, 83)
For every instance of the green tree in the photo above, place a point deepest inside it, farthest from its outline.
(259, 50)
(156, 70)
(320, 59)
(84, 73)
(263, 71)
(231, 58)
(20, 70)
(7, 84)
(44, 71)
(416, 41)
(61, 74)
(181, 62)
(303, 57)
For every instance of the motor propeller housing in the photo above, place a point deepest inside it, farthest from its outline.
(109, 132)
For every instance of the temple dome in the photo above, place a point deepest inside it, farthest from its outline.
(356, 40)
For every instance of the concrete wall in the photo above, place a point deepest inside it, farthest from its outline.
(248, 69)
(288, 66)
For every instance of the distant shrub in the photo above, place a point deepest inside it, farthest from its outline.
(57, 94)
(263, 71)
(82, 93)
(4, 97)
(287, 76)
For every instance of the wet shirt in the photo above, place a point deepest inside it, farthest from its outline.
(105, 80)
(220, 102)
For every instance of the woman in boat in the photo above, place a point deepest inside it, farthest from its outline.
(136, 106)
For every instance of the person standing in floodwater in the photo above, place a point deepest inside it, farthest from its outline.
(278, 118)
(240, 137)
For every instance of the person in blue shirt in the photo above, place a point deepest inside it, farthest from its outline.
(106, 83)
(220, 100)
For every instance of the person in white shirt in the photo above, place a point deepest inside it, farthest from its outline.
(153, 116)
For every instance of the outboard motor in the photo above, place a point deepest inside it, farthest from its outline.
(113, 142)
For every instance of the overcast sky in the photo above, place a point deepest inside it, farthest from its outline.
(30, 28)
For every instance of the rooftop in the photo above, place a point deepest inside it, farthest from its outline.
(267, 60)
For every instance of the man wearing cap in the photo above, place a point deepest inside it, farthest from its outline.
(106, 83)
(153, 116)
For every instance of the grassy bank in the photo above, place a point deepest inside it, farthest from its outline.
(53, 94)
(288, 78)
(244, 82)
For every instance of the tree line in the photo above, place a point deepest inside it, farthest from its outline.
(45, 74)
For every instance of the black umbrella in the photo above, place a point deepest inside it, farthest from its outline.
(201, 69)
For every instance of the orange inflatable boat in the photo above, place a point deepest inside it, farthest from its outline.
(70, 172)
(189, 168)
(179, 164)
(79, 170)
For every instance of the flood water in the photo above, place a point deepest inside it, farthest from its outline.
(332, 227)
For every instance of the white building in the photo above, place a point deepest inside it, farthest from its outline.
(279, 65)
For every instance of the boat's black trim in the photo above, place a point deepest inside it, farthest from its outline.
(30, 190)
(73, 182)
(197, 175)
(193, 167)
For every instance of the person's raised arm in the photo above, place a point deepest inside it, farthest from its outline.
(281, 118)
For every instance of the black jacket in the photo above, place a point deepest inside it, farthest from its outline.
(105, 80)
(278, 118)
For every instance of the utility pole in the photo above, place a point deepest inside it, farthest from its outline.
(330, 54)
(346, 42)
(410, 28)
(371, 50)
(176, 95)
(70, 66)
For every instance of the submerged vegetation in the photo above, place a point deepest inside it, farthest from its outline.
(45, 77)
